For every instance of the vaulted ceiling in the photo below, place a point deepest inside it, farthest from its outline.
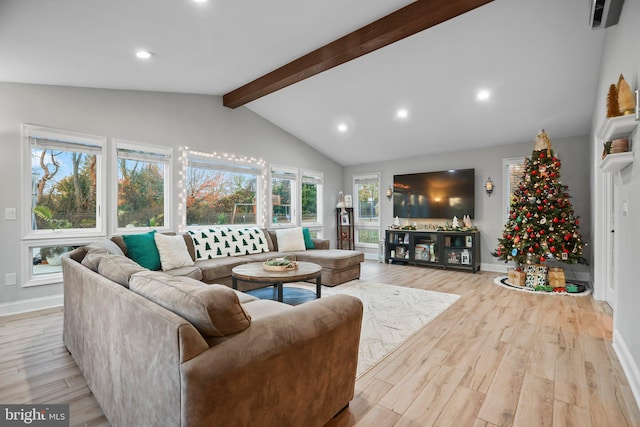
(539, 60)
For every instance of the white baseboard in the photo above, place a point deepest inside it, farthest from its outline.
(629, 365)
(34, 304)
(370, 256)
(496, 268)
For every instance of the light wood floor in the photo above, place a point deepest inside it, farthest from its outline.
(496, 357)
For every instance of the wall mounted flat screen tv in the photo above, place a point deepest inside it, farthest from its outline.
(442, 194)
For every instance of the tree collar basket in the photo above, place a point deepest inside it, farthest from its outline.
(279, 264)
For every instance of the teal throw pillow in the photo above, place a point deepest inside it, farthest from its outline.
(142, 249)
(308, 241)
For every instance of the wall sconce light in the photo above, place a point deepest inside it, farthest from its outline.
(488, 186)
(389, 193)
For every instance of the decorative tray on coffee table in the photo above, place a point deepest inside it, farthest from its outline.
(279, 264)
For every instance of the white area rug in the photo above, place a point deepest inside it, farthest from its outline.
(392, 314)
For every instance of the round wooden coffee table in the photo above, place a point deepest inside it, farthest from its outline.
(254, 272)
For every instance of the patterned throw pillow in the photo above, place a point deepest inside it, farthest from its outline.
(219, 242)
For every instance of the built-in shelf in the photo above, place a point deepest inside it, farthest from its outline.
(614, 128)
(617, 127)
(616, 162)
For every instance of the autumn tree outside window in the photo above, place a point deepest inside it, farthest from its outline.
(63, 184)
(144, 186)
(222, 193)
(284, 191)
(311, 198)
(63, 195)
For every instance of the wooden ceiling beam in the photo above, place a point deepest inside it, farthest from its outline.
(404, 22)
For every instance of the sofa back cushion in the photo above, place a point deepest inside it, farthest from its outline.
(290, 239)
(142, 249)
(118, 268)
(95, 251)
(213, 309)
(173, 251)
(213, 243)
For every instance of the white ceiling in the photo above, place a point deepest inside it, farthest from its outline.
(539, 58)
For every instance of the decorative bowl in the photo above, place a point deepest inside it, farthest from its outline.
(279, 264)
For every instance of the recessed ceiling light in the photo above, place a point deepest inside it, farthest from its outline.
(342, 127)
(144, 54)
(483, 95)
(402, 113)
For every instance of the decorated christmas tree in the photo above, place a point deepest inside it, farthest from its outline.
(542, 224)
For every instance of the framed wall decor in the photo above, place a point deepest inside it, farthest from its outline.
(344, 219)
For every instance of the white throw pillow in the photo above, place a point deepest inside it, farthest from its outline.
(173, 251)
(290, 239)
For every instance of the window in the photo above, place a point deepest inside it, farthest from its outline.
(513, 172)
(311, 195)
(283, 195)
(63, 183)
(42, 265)
(144, 186)
(222, 191)
(366, 210)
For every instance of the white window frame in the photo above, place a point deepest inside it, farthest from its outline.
(232, 163)
(62, 137)
(318, 177)
(27, 265)
(359, 225)
(156, 153)
(290, 173)
(507, 190)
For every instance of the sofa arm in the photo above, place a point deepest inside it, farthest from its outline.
(296, 367)
(321, 243)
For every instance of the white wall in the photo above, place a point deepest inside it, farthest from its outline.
(620, 55)
(197, 121)
(487, 162)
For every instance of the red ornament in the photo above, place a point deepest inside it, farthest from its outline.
(538, 191)
(528, 215)
(555, 220)
(530, 249)
(577, 222)
(542, 258)
(552, 249)
(534, 172)
(546, 187)
(567, 237)
(541, 232)
(516, 228)
(537, 245)
(540, 207)
(552, 174)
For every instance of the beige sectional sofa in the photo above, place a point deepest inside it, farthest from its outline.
(166, 349)
(338, 266)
